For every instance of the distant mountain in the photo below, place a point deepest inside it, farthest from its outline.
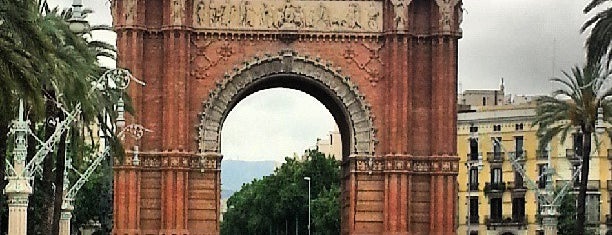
(235, 173)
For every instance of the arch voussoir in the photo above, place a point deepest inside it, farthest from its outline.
(288, 63)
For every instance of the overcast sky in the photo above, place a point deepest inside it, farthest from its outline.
(514, 39)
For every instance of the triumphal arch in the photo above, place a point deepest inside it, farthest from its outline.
(385, 69)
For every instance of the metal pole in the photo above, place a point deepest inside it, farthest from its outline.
(308, 179)
(468, 198)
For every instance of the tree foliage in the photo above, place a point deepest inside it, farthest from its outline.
(278, 204)
(599, 41)
(574, 106)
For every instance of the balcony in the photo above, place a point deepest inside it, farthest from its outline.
(471, 157)
(542, 155)
(473, 187)
(521, 156)
(505, 221)
(592, 185)
(495, 157)
(516, 186)
(570, 154)
(494, 188)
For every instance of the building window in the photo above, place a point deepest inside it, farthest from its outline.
(577, 144)
(496, 176)
(474, 149)
(592, 208)
(484, 101)
(496, 209)
(496, 127)
(518, 126)
(518, 146)
(518, 180)
(497, 150)
(541, 176)
(474, 210)
(518, 209)
(474, 179)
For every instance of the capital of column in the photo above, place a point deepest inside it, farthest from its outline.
(18, 190)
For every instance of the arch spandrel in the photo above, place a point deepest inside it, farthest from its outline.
(287, 63)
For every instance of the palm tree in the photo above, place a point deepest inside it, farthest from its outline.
(599, 41)
(574, 107)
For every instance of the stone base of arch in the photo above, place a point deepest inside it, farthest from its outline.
(392, 194)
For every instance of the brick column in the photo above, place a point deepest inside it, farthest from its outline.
(174, 201)
(126, 186)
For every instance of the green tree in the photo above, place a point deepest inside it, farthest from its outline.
(574, 107)
(278, 204)
(599, 41)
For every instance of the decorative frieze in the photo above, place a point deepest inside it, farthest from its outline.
(266, 15)
(179, 160)
(406, 163)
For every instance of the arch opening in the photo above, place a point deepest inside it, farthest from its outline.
(334, 91)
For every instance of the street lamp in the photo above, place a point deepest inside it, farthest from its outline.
(308, 179)
(470, 164)
(78, 24)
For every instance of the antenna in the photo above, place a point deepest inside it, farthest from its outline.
(554, 57)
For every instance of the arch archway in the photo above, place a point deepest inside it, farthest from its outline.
(404, 61)
(288, 70)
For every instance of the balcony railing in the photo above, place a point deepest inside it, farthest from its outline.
(505, 221)
(591, 184)
(494, 187)
(495, 157)
(570, 154)
(474, 219)
(542, 154)
(471, 157)
(511, 185)
(521, 155)
(473, 186)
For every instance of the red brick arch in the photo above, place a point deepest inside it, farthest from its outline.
(390, 84)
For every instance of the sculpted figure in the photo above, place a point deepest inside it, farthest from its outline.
(266, 16)
(373, 17)
(177, 11)
(399, 11)
(200, 12)
(353, 16)
(130, 11)
(445, 8)
(242, 9)
(322, 17)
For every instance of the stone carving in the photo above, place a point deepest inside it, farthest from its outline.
(204, 59)
(219, 100)
(177, 11)
(445, 7)
(130, 11)
(349, 16)
(400, 12)
(371, 65)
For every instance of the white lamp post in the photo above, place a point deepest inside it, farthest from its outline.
(308, 179)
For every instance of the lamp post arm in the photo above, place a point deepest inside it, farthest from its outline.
(531, 185)
(85, 176)
(46, 147)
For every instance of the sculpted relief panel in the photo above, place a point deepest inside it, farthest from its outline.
(266, 15)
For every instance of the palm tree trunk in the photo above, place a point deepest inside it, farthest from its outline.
(60, 163)
(3, 143)
(584, 179)
(47, 174)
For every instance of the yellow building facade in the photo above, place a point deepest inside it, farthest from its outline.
(494, 198)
